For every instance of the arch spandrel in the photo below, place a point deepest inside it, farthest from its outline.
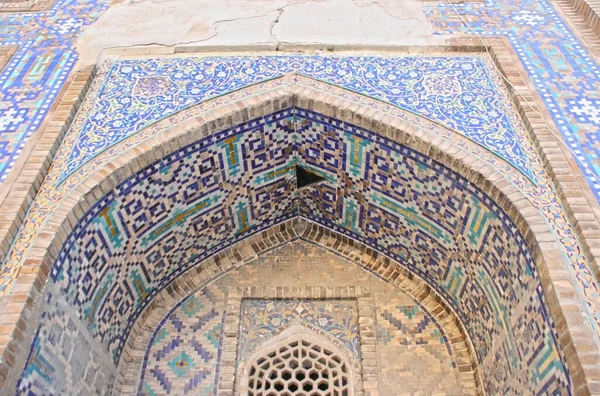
(507, 196)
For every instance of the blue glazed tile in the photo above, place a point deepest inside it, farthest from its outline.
(564, 73)
(32, 79)
(455, 91)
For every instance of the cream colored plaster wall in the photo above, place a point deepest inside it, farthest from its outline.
(159, 25)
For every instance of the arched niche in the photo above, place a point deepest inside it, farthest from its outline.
(372, 287)
(488, 264)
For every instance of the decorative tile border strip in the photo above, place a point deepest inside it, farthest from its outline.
(20, 189)
(247, 251)
(573, 190)
(39, 69)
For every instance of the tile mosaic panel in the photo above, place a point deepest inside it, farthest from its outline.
(296, 265)
(36, 73)
(185, 350)
(441, 227)
(162, 221)
(563, 71)
(63, 357)
(263, 318)
(456, 91)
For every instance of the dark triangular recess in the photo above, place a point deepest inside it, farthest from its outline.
(305, 177)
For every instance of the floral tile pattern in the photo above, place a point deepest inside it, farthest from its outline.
(564, 73)
(262, 318)
(455, 91)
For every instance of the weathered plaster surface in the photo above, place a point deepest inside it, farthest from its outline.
(233, 23)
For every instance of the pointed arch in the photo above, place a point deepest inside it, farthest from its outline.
(304, 352)
(539, 243)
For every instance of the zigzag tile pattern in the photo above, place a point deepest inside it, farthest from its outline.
(205, 197)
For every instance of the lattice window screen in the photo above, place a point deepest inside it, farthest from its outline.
(299, 368)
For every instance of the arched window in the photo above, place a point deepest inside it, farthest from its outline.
(300, 364)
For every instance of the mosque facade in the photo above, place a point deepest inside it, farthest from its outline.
(299, 197)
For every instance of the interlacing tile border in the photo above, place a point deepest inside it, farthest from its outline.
(250, 249)
(50, 230)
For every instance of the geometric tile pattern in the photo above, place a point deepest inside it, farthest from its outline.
(563, 71)
(444, 229)
(455, 91)
(172, 363)
(32, 79)
(186, 346)
(204, 197)
(63, 357)
(262, 318)
(407, 325)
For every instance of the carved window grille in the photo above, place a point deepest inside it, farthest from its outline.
(299, 367)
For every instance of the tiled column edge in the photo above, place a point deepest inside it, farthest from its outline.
(231, 332)
(21, 307)
(579, 25)
(580, 204)
(368, 344)
(589, 11)
(30, 170)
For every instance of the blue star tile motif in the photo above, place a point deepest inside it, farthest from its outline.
(32, 79)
